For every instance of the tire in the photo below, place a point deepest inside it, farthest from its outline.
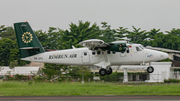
(102, 72)
(108, 72)
(150, 69)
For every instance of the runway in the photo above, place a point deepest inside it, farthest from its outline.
(91, 98)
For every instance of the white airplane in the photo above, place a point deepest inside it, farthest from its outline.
(95, 52)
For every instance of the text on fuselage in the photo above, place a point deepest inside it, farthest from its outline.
(62, 56)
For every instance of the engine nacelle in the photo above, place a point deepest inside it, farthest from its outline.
(116, 47)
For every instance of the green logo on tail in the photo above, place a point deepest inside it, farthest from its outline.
(27, 37)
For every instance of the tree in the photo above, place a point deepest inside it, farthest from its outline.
(150, 36)
(136, 35)
(171, 41)
(174, 32)
(107, 34)
(8, 32)
(2, 29)
(51, 39)
(152, 33)
(5, 49)
(86, 73)
(54, 38)
(121, 32)
(43, 38)
(74, 73)
(13, 64)
(78, 33)
(9, 52)
(52, 69)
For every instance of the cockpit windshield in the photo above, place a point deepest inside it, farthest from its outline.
(140, 46)
(138, 49)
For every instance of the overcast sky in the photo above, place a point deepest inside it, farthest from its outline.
(42, 14)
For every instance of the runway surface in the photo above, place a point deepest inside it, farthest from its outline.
(91, 98)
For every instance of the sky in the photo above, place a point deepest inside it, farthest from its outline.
(42, 14)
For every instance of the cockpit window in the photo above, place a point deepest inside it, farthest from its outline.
(141, 47)
(138, 49)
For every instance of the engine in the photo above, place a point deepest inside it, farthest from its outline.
(116, 47)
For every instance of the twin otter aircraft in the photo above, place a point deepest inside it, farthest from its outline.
(95, 52)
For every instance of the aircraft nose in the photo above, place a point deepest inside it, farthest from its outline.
(164, 55)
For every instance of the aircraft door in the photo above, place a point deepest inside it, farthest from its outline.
(85, 57)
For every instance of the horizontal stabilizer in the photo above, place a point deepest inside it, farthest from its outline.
(29, 48)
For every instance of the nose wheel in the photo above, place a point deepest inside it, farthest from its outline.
(150, 69)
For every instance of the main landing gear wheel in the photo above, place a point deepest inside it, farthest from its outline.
(109, 71)
(102, 72)
(150, 69)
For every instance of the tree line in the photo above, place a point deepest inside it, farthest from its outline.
(58, 39)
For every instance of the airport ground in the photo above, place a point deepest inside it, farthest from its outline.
(91, 98)
(77, 89)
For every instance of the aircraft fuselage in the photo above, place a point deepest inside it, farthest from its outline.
(86, 57)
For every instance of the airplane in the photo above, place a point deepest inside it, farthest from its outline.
(94, 53)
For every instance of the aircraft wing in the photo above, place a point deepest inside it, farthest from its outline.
(92, 44)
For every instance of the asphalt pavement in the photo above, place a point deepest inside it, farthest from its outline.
(91, 98)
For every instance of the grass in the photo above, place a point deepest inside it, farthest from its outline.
(50, 89)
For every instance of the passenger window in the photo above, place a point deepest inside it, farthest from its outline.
(127, 51)
(109, 52)
(85, 53)
(138, 49)
(98, 52)
(93, 53)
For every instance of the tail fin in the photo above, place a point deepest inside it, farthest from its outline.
(27, 41)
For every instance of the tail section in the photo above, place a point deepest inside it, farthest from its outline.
(27, 41)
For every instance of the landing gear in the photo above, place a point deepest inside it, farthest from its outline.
(150, 69)
(109, 71)
(103, 71)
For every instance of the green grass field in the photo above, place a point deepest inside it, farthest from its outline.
(42, 89)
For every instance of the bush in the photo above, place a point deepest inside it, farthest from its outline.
(172, 81)
(39, 79)
(1, 77)
(30, 83)
(115, 76)
(19, 77)
(11, 78)
(59, 80)
(166, 81)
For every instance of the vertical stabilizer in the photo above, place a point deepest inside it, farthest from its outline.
(27, 41)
